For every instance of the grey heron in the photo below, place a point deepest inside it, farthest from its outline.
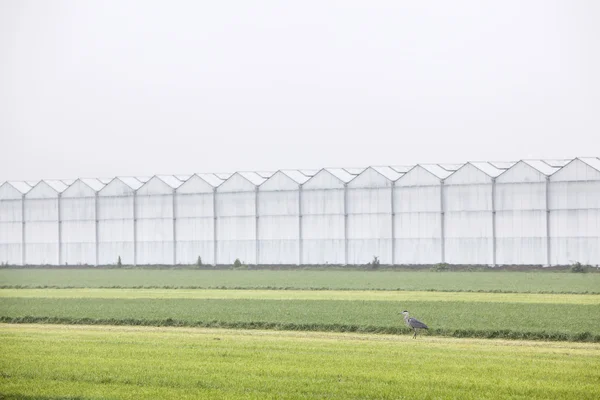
(413, 323)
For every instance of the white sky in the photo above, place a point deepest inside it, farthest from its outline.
(104, 88)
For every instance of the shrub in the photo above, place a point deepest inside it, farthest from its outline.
(578, 268)
(119, 263)
(237, 263)
(440, 267)
(199, 262)
(374, 264)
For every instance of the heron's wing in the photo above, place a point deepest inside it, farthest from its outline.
(415, 323)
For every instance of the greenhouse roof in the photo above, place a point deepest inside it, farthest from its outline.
(493, 169)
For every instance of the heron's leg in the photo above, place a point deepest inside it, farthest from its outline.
(415, 335)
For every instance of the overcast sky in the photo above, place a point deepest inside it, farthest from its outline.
(105, 88)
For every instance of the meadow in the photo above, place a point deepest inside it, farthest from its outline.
(51, 362)
(532, 316)
(489, 281)
(135, 334)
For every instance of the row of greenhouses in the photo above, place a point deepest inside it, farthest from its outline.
(530, 212)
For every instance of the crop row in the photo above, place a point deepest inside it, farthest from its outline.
(501, 281)
(577, 322)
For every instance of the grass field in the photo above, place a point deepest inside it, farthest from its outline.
(541, 316)
(492, 281)
(52, 362)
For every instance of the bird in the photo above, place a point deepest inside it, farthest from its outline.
(413, 323)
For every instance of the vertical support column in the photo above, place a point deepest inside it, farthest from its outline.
(174, 228)
(59, 231)
(300, 244)
(548, 233)
(135, 228)
(23, 240)
(96, 230)
(345, 224)
(215, 227)
(256, 230)
(393, 213)
(494, 244)
(443, 222)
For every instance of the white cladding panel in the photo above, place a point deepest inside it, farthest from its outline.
(370, 201)
(236, 228)
(521, 172)
(521, 237)
(154, 253)
(41, 210)
(115, 207)
(11, 210)
(279, 181)
(574, 195)
(41, 232)
(158, 206)
(370, 178)
(189, 251)
(469, 251)
(79, 189)
(323, 251)
(369, 226)
(78, 242)
(236, 204)
(10, 253)
(523, 251)
(585, 250)
(115, 239)
(10, 233)
(418, 176)
(425, 225)
(469, 238)
(278, 252)
(194, 205)
(362, 251)
(417, 251)
(417, 199)
(520, 196)
(155, 230)
(575, 223)
(283, 203)
(278, 228)
(323, 180)
(468, 175)
(195, 237)
(77, 209)
(468, 197)
(41, 253)
(323, 227)
(229, 250)
(323, 202)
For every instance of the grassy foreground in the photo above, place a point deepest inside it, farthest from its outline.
(51, 362)
(516, 320)
(492, 281)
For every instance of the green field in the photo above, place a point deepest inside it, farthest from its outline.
(492, 281)
(52, 362)
(532, 316)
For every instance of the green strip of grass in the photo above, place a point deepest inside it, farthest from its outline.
(575, 322)
(53, 362)
(501, 281)
(344, 295)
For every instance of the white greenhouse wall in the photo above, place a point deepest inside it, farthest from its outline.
(154, 223)
(369, 209)
(323, 220)
(116, 224)
(526, 213)
(41, 231)
(468, 223)
(11, 231)
(279, 223)
(574, 202)
(417, 218)
(521, 223)
(236, 221)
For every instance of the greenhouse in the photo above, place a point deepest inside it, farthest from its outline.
(530, 212)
